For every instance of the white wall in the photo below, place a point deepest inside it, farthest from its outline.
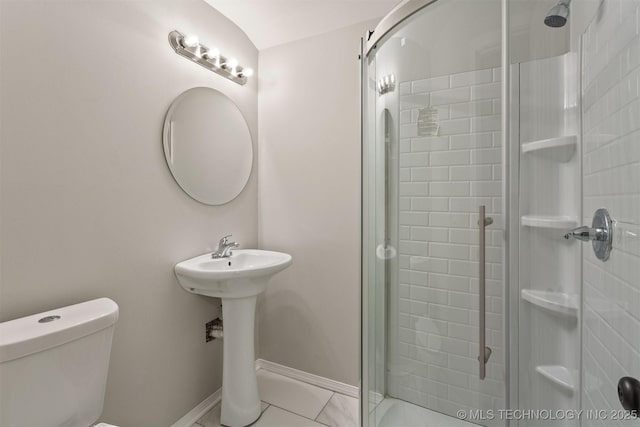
(529, 37)
(310, 202)
(611, 168)
(88, 205)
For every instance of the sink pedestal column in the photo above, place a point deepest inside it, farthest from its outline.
(240, 401)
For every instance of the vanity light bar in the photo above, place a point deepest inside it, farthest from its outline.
(211, 59)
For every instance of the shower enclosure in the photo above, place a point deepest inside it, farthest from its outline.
(491, 132)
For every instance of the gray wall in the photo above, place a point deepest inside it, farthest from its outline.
(308, 318)
(88, 206)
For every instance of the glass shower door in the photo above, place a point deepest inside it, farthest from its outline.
(432, 159)
(561, 320)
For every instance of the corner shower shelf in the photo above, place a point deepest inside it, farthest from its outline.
(561, 148)
(558, 375)
(557, 302)
(543, 221)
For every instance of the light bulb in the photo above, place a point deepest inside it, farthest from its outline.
(232, 63)
(190, 40)
(212, 53)
(247, 72)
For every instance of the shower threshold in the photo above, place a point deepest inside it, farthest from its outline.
(398, 413)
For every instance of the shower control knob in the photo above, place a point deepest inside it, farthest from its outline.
(586, 234)
(600, 234)
(629, 394)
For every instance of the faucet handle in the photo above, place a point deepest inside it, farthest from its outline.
(583, 233)
(600, 234)
(224, 241)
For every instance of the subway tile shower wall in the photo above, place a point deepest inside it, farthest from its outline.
(611, 154)
(443, 180)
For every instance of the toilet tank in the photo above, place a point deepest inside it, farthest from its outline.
(53, 365)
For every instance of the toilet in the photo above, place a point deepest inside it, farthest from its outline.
(53, 365)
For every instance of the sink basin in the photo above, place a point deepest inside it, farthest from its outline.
(243, 274)
(238, 280)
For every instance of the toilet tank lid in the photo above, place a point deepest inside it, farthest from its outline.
(38, 332)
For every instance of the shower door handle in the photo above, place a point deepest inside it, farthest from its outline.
(484, 352)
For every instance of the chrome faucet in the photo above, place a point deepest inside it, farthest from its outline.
(600, 234)
(224, 248)
(586, 234)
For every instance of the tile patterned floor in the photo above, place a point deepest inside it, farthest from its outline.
(290, 403)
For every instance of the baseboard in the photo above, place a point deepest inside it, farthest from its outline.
(203, 407)
(196, 413)
(338, 387)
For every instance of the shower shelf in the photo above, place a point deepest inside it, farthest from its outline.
(543, 221)
(562, 147)
(559, 375)
(554, 301)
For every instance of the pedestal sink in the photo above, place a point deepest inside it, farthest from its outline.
(238, 280)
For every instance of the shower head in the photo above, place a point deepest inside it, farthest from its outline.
(557, 16)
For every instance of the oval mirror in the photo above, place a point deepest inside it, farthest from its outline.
(207, 145)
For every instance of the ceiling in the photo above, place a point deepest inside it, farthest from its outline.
(272, 22)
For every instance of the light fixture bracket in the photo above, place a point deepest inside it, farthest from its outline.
(217, 66)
